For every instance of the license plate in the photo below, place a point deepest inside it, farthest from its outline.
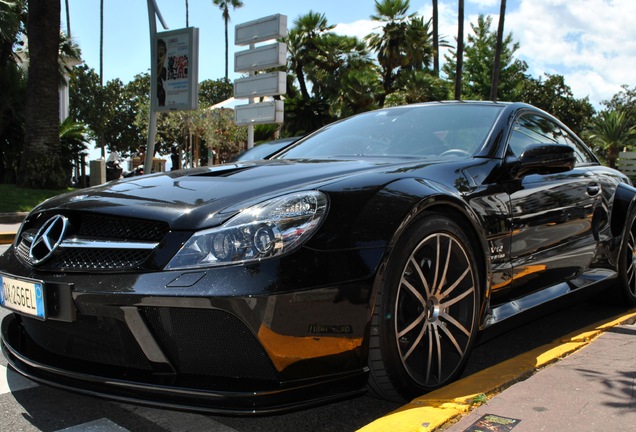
(23, 296)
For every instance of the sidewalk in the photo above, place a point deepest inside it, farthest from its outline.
(584, 382)
(593, 389)
(7, 232)
(9, 225)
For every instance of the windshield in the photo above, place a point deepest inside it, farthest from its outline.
(452, 130)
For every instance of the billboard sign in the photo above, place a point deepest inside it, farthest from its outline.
(260, 113)
(260, 30)
(269, 84)
(176, 70)
(265, 57)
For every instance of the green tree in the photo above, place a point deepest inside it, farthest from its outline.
(114, 111)
(73, 140)
(624, 101)
(610, 131)
(478, 64)
(225, 5)
(12, 79)
(41, 165)
(418, 86)
(335, 74)
(390, 44)
(554, 96)
(303, 44)
(214, 91)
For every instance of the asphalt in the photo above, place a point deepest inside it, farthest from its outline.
(585, 381)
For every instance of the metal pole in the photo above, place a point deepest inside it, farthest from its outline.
(153, 14)
(250, 127)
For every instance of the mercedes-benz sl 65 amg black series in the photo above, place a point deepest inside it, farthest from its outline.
(367, 255)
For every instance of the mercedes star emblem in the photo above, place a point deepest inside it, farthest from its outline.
(47, 240)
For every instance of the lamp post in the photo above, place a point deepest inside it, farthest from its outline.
(153, 14)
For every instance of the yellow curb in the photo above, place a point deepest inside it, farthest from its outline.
(437, 408)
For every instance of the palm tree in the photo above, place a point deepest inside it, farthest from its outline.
(390, 44)
(497, 65)
(41, 165)
(460, 50)
(224, 5)
(303, 43)
(611, 131)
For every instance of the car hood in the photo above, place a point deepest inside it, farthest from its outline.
(205, 197)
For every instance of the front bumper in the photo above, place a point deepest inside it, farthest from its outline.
(168, 389)
(182, 340)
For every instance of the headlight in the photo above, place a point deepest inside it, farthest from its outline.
(269, 229)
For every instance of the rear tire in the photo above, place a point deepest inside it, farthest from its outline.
(426, 316)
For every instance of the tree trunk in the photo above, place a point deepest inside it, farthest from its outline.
(226, 49)
(40, 163)
(460, 50)
(497, 65)
(435, 39)
(68, 21)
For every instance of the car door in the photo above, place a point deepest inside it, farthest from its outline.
(552, 239)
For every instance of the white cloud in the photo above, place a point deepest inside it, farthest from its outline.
(592, 43)
(359, 28)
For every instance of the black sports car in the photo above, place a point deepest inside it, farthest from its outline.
(368, 255)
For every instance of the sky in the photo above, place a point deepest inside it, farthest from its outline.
(592, 43)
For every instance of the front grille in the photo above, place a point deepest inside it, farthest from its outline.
(107, 227)
(93, 229)
(208, 342)
(97, 340)
(101, 259)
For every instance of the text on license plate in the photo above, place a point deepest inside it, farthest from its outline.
(22, 296)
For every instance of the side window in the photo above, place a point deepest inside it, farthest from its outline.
(534, 129)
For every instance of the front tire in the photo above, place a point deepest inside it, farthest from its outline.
(627, 267)
(426, 317)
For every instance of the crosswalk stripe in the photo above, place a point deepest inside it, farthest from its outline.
(101, 425)
(11, 381)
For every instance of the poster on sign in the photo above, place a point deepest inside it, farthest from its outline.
(176, 70)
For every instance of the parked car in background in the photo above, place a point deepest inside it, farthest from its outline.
(265, 149)
(368, 255)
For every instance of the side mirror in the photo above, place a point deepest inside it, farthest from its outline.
(544, 159)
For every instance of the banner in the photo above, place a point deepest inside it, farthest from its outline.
(176, 70)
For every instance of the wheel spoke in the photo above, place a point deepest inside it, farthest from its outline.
(427, 289)
(440, 284)
(435, 286)
(456, 323)
(456, 283)
(460, 297)
(413, 291)
(415, 343)
(450, 336)
(414, 324)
